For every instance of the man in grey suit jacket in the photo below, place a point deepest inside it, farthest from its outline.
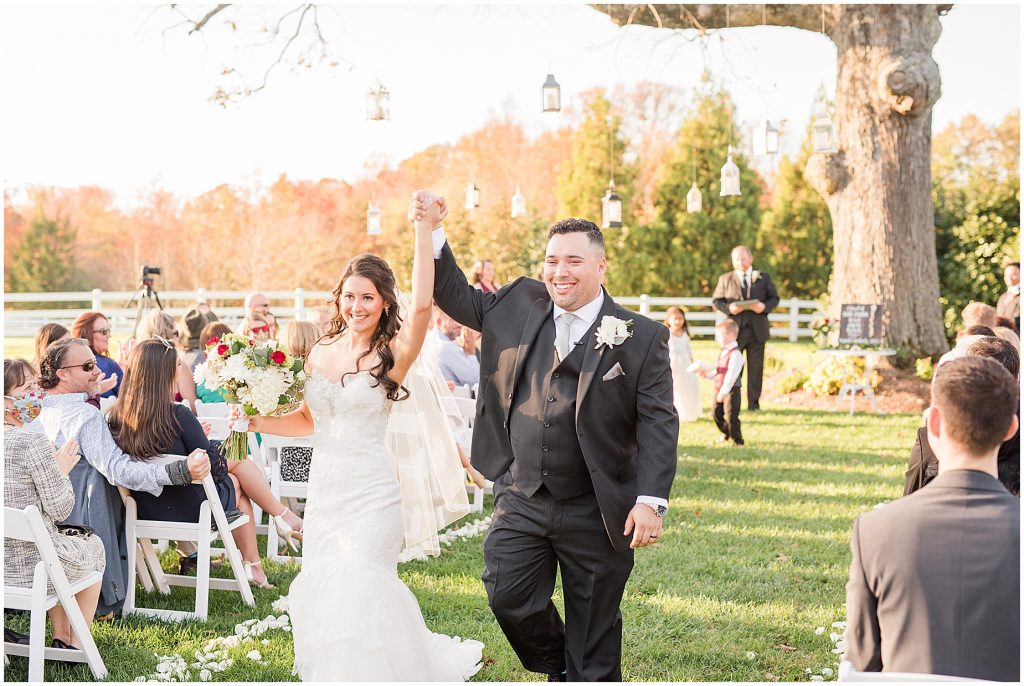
(575, 425)
(935, 579)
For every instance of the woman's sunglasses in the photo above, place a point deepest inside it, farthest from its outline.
(85, 366)
(261, 329)
(102, 332)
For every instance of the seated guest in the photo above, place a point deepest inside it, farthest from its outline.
(964, 338)
(978, 313)
(459, 363)
(1006, 323)
(299, 339)
(67, 372)
(256, 304)
(145, 423)
(934, 583)
(47, 334)
(36, 475)
(1008, 335)
(923, 466)
(197, 318)
(94, 328)
(215, 330)
(256, 326)
(444, 353)
(321, 316)
(160, 325)
(482, 276)
(1009, 302)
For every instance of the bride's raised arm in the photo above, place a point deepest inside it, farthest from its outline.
(417, 319)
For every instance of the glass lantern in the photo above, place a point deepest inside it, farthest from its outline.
(611, 208)
(766, 139)
(730, 177)
(823, 134)
(551, 95)
(472, 196)
(518, 204)
(378, 103)
(373, 222)
(694, 199)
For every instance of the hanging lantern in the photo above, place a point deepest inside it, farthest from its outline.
(823, 134)
(730, 177)
(611, 208)
(518, 204)
(472, 196)
(766, 139)
(694, 199)
(551, 95)
(378, 103)
(373, 223)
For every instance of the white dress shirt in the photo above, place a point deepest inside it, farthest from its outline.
(733, 371)
(748, 275)
(585, 317)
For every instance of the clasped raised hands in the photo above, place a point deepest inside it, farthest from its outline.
(426, 210)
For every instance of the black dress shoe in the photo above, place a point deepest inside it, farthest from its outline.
(558, 677)
(57, 643)
(12, 636)
(754, 408)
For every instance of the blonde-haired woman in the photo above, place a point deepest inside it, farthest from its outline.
(160, 325)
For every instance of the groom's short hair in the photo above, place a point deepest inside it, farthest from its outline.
(573, 225)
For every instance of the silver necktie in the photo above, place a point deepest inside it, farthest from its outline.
(562, 343)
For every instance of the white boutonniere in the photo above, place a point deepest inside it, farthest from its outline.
(754, 276)
(612, 332)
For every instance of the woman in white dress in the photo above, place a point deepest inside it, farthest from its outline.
(685, 386)
(353, 619)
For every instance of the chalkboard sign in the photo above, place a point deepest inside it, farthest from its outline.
(860, 325)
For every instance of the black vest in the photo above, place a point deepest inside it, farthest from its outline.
(542, 423)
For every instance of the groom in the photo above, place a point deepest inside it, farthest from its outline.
(575, 425)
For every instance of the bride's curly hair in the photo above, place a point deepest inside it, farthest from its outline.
(379, 272)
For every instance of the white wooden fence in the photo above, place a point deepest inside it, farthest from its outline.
(789, 320)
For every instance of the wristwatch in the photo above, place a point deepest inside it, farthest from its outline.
(659, 510)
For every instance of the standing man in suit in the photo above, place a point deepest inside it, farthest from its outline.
(746, 283)
(575, 425)
(935, 578)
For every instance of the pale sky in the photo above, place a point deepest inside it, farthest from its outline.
(99, 94)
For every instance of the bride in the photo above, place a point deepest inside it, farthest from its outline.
(353, 619)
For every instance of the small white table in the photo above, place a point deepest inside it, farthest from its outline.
(853, 383)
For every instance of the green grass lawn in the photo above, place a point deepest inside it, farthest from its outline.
(753, 559)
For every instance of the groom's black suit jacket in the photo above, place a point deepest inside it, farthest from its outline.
(627, 426)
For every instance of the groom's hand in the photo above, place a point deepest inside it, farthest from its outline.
(644, 524)
(425, 209)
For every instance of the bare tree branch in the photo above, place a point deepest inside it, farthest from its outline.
(209, 15)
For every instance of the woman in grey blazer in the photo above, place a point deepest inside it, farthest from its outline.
(35, 475)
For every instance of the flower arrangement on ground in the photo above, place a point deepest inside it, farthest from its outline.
(258, 375)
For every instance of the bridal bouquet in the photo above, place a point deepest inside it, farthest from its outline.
(258, 375)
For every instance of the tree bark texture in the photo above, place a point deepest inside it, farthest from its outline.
(878, 184)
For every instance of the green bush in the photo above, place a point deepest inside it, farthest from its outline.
(829, 376)
(793, 381)
(924, 369)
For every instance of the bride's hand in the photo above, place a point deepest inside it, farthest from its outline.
(426, 210)
(238, 421)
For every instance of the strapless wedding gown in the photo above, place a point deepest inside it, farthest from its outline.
(353, 619)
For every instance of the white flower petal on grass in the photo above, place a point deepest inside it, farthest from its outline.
(815, 677)
(205, 675)
(254, 655)
(839, 625)
(820, 630)
(834, 636)
(750, 654)
(827, 671)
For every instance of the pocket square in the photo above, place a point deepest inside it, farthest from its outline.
(614, 372)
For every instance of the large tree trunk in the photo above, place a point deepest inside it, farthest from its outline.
(878, 185)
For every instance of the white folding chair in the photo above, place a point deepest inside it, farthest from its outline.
(272, 445)
(848, 673)
(219, 431)
(140, 534)
(207, 410)
(27, 525)
(461, 392)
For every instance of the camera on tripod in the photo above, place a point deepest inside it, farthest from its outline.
(148, 273)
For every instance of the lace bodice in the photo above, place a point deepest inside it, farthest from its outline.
(353, 409)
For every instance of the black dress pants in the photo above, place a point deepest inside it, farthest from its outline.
(727, 416)
(530, 538)
(754, 369)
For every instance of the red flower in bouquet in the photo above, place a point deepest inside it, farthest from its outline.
(278, 357)
(223, 348)
(213, 339)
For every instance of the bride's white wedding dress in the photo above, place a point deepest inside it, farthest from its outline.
(353, 619)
